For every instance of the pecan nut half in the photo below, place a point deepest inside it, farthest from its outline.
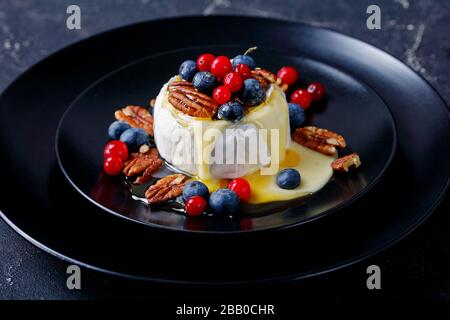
(345, 163)
(265, 77)
(185, 98)
(315, 145)
(283, 86)
(143, 164)
(323, 135)
(266, 74)
(137, 117)
(166, 188)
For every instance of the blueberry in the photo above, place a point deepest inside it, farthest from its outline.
(135, 137)
(252, 92)
(296, 116)
(117, 128)
(231, 111)
(204, 81)
(288, 179)
(195, 188)
(188, 69)
(224, 201)
(244, 59)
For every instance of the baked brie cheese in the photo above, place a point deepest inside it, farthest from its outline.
(256, 148)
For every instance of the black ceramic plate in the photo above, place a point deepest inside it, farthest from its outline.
(352, 109)
(44, 207)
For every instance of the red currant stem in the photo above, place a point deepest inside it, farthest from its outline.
(250, 50)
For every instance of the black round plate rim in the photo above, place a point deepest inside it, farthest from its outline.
(294, 277)
(316, 272)
(230, 16)
(323, 214)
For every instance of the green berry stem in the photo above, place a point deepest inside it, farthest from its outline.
(250, 50)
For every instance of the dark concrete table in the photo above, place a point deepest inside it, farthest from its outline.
(412, 30)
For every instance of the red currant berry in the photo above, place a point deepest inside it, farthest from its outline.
(233, 81)
(317, 90)
(204, 62)
(301, 97)
(113, 166)
(221, 66)
(116, 148)
(244, 71)
(195, 206)
(287, 75)
(241, 187)
(221, 94)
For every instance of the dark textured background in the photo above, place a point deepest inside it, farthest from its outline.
(412, 30)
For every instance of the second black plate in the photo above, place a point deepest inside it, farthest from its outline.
(40, 204)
